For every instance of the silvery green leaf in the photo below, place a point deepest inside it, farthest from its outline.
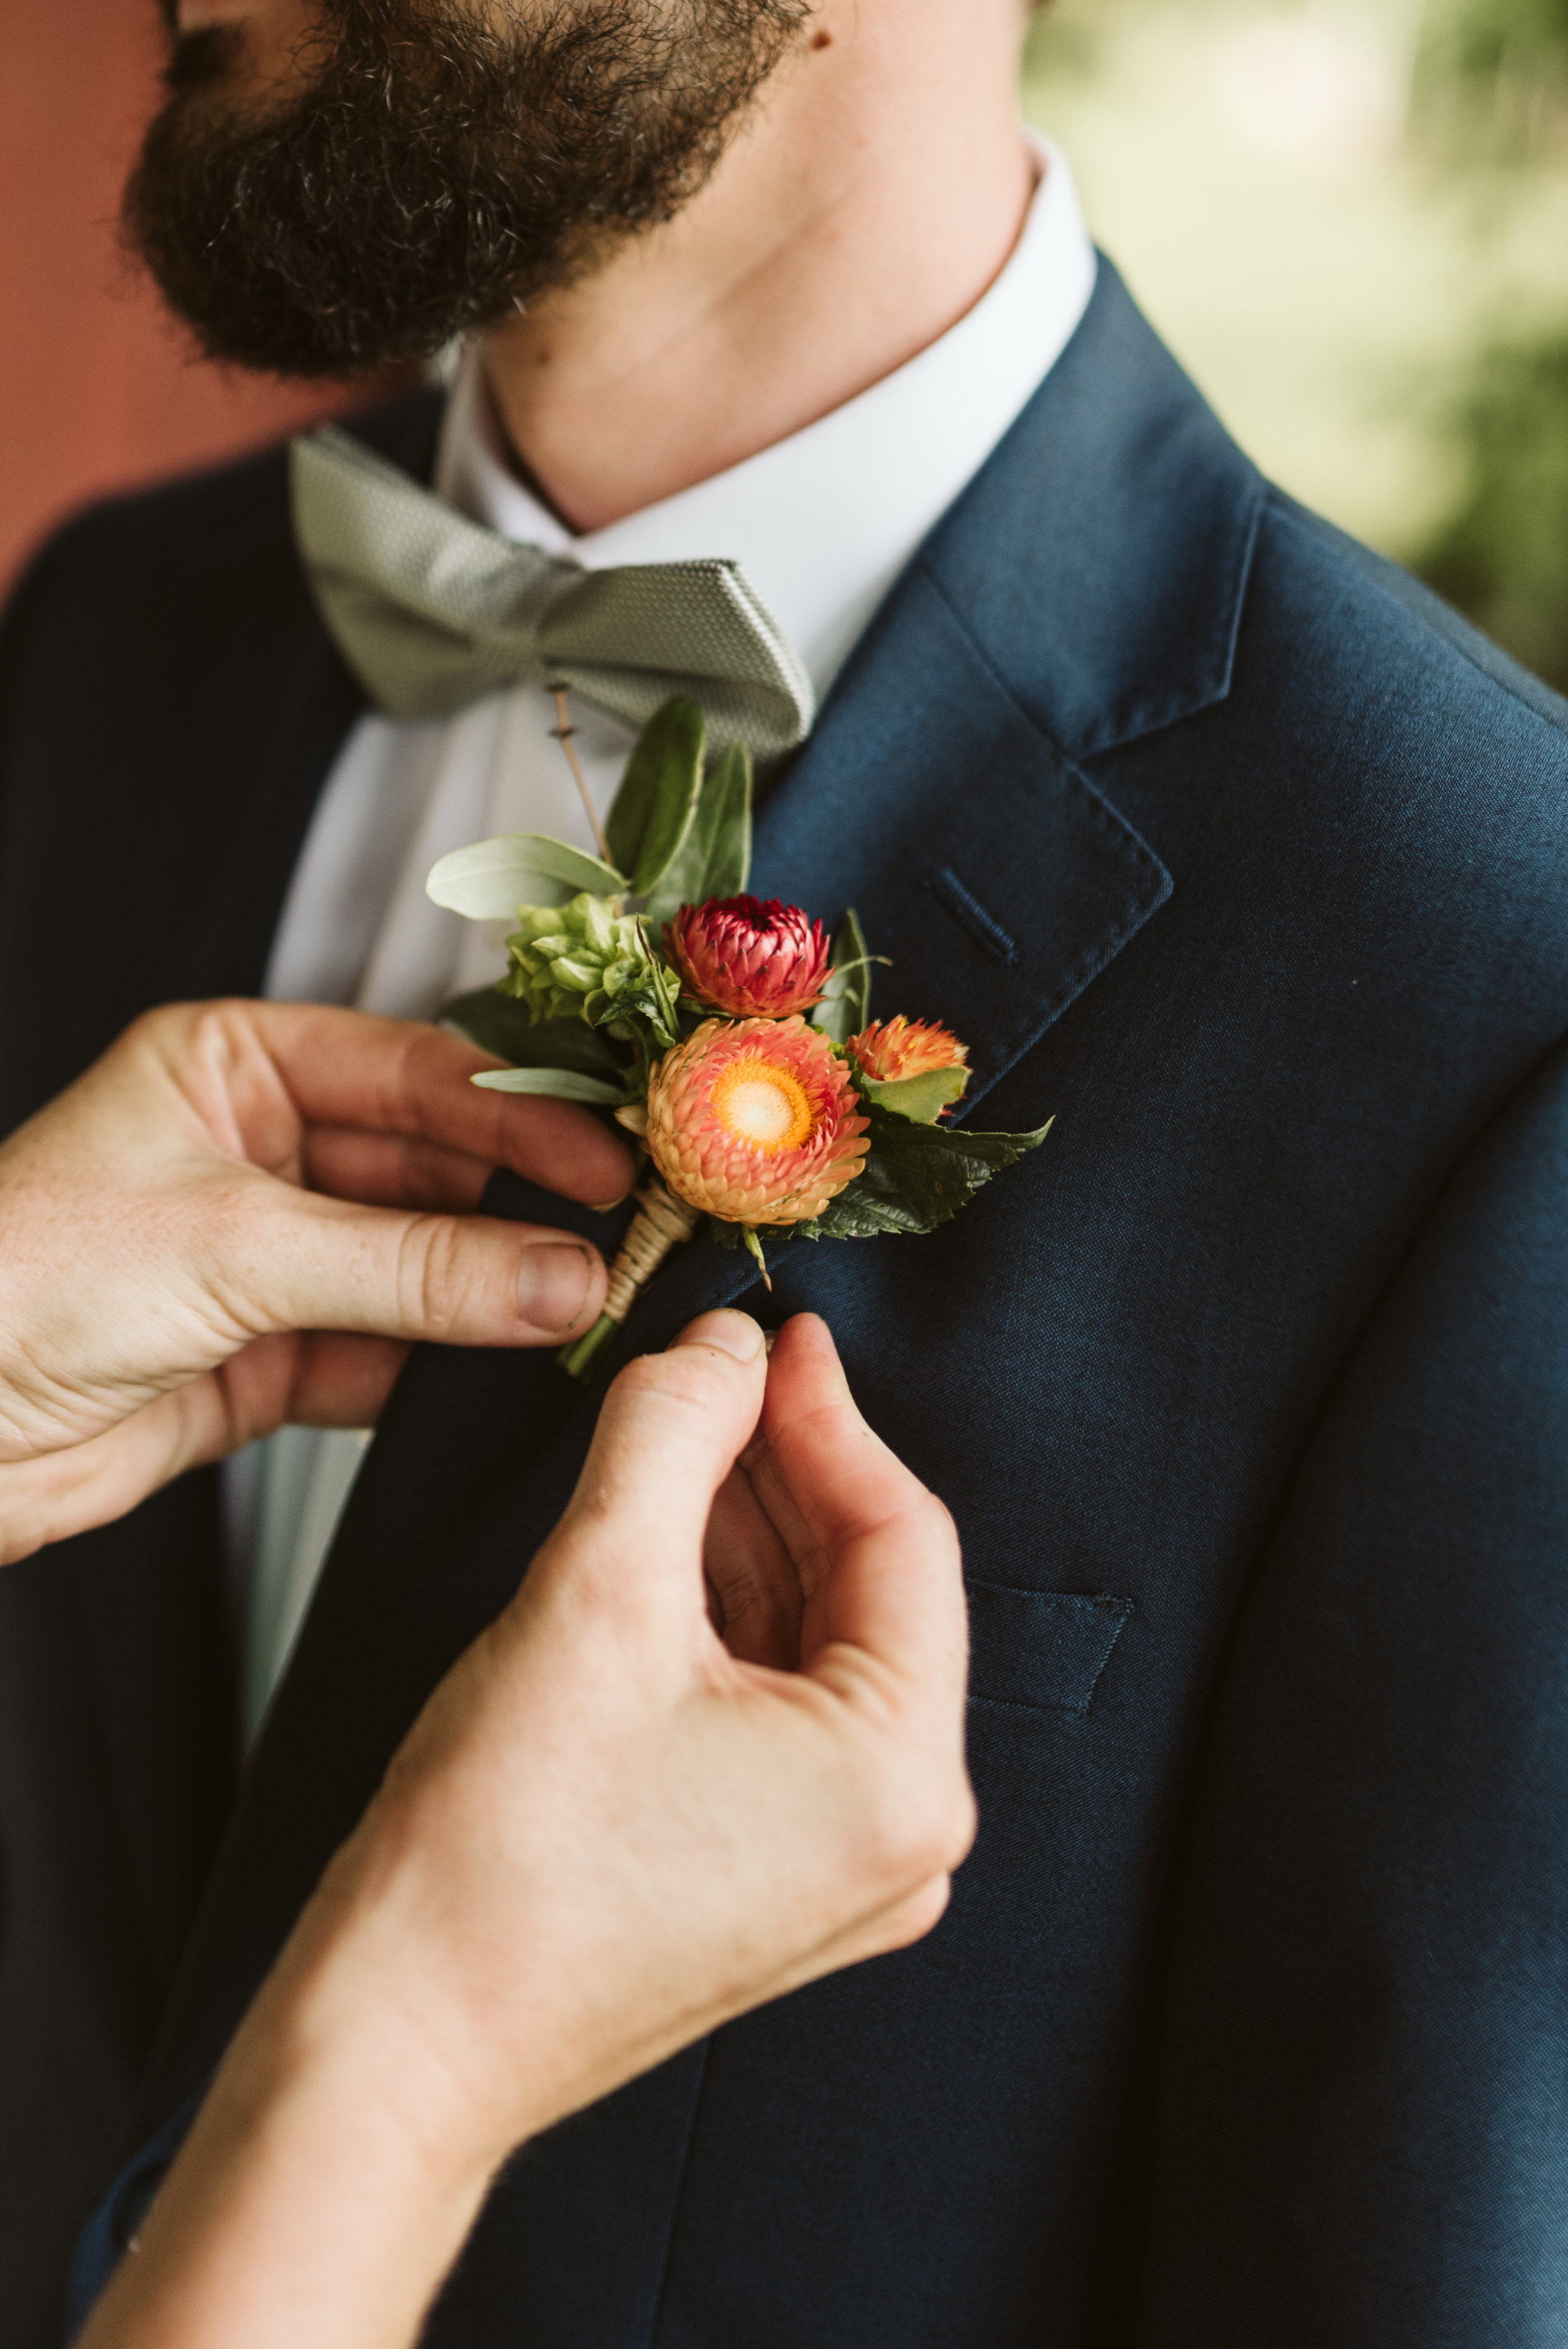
(557, 1084)
(487, 881)
(658, 794)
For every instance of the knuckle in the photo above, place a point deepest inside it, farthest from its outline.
(915, 1916)
(433, 1273)
(686, 1382)
(156, 1022)
(940, 1521)
(919, 1823)
(961, 1824)
(742, 1589)
(209, 1021)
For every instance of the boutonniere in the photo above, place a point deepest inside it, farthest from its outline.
(721, 1030)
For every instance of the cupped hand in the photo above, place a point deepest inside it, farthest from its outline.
(242, 1213)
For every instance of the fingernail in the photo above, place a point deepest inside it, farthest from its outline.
(732, 1333)
(603, 1206)
(553, 1284)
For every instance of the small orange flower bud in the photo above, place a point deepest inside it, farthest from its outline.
(891, 1048)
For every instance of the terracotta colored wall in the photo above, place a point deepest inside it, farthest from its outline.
(96, 391)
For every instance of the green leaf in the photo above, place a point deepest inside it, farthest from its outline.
(715, 859)
(491, 879)
(846, 1007)
(922, 1098)
(556, 1084)
(501, 1024)
(651, 990)
(658, 794)
(915, 1177)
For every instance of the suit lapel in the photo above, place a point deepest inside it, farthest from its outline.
(182, 790)
(994, 878)
(941, 796)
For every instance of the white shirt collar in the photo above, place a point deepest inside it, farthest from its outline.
(823, 523)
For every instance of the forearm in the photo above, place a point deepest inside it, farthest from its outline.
(326, 2186)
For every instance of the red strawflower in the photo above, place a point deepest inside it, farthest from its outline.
(751, 957)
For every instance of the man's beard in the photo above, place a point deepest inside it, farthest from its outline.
(436, 170)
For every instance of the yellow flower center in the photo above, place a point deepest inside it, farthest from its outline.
(761, 1104)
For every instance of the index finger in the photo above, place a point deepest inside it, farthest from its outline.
(884, 1573)
(352, 1069)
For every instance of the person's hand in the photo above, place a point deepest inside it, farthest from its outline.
(671, 1832)
(605, 1836)
(242, 1215)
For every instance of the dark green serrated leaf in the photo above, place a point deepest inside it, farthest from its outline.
(658, 794)
(501, 1024)
(715, 858)
(915, 1177)
(846, 1007)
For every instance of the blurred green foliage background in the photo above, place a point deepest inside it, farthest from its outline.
(1351, 224)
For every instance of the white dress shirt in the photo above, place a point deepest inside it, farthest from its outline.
(822, 523)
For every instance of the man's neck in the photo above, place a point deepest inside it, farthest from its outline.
(868, 201)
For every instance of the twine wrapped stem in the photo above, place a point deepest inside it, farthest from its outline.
(660, 1226)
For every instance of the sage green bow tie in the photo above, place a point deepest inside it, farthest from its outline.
(431, 610)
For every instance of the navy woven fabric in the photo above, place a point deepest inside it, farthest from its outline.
(1219, 840)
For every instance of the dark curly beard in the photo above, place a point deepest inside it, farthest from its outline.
(442, 163)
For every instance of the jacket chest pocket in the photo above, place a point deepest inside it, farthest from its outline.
(1044, 1648)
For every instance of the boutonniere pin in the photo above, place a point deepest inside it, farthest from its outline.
(722, 1030)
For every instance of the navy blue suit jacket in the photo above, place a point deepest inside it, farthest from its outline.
(1224, 843)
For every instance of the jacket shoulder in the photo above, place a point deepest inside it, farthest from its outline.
(177, 537)
(1385, 622)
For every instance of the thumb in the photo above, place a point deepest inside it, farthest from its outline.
(670, 1431)
(460, 1280)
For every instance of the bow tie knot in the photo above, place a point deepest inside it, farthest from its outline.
(431, 610)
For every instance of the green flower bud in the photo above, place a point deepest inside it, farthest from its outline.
(577, 960)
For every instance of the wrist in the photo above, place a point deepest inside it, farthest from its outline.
(321, 2196)
(365, 2011)
(382, 1985)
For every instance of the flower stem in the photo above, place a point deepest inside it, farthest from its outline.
(564, 732)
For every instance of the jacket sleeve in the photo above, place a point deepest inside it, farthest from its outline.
(1363, 2097)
